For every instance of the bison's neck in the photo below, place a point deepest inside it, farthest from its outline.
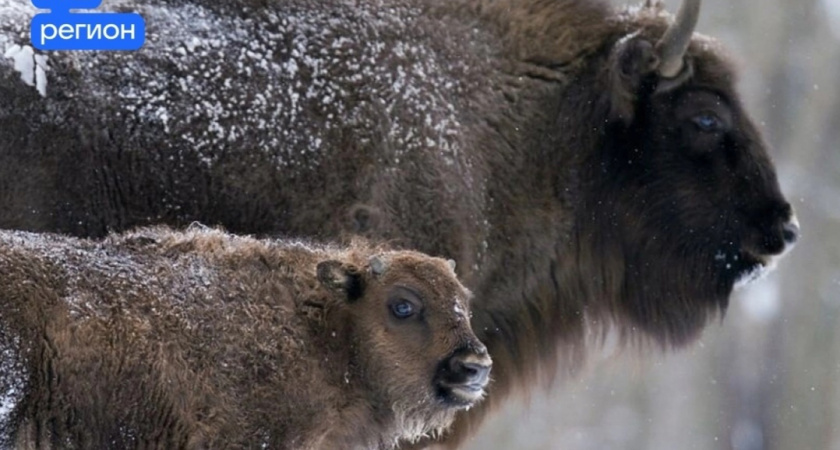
(541, 123)
(541, 119)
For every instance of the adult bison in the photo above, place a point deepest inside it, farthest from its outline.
(196, 340)
(587, 167)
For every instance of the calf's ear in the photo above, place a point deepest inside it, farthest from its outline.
(337, 276)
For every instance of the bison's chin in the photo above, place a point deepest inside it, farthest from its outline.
(745, 266)
(751, 269)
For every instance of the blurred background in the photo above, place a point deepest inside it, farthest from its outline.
(768, 375)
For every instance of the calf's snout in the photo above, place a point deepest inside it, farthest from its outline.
(469, 369)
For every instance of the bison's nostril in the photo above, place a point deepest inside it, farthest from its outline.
(790, 231)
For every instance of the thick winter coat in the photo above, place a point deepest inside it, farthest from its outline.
(586, 169)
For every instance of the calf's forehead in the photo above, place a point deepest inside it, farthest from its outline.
(432, 276)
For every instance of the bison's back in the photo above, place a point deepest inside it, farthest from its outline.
(261, 119)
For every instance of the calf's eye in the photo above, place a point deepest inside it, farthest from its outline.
(402, 309)
(707, 122)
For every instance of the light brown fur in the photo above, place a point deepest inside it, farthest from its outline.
(162, 339)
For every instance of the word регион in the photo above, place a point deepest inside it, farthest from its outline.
(60, 29)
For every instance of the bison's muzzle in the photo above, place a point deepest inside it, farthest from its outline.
(759, 254)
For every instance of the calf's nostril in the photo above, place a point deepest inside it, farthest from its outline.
(466, 369)
(475, 372)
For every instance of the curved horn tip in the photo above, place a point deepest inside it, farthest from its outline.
(674, 43)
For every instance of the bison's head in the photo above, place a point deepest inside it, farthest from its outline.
(413, 344)
(686, 204)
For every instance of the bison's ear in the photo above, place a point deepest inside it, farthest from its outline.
(636, 64)
(632, 62)
(337, 276)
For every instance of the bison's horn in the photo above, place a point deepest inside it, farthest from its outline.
(377, 265)
(671, 48)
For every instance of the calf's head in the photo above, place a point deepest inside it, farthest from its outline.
(686, 204)
(412, 340)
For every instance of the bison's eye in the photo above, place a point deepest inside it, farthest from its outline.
(708, 122)
(402, 309)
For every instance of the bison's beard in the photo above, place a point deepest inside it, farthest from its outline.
(668, 289)
(663, 271)
(673, 295)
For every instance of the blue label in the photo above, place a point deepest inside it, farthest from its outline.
(62, 30)
(66, 5)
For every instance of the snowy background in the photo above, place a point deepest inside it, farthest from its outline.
(768, 376)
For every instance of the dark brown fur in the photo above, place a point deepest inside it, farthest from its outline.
(524, 138)
(160, 339)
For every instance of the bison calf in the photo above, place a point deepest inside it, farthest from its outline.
(202, 339)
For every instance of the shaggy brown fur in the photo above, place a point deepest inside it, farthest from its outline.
(160, 339)
(527, 139)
